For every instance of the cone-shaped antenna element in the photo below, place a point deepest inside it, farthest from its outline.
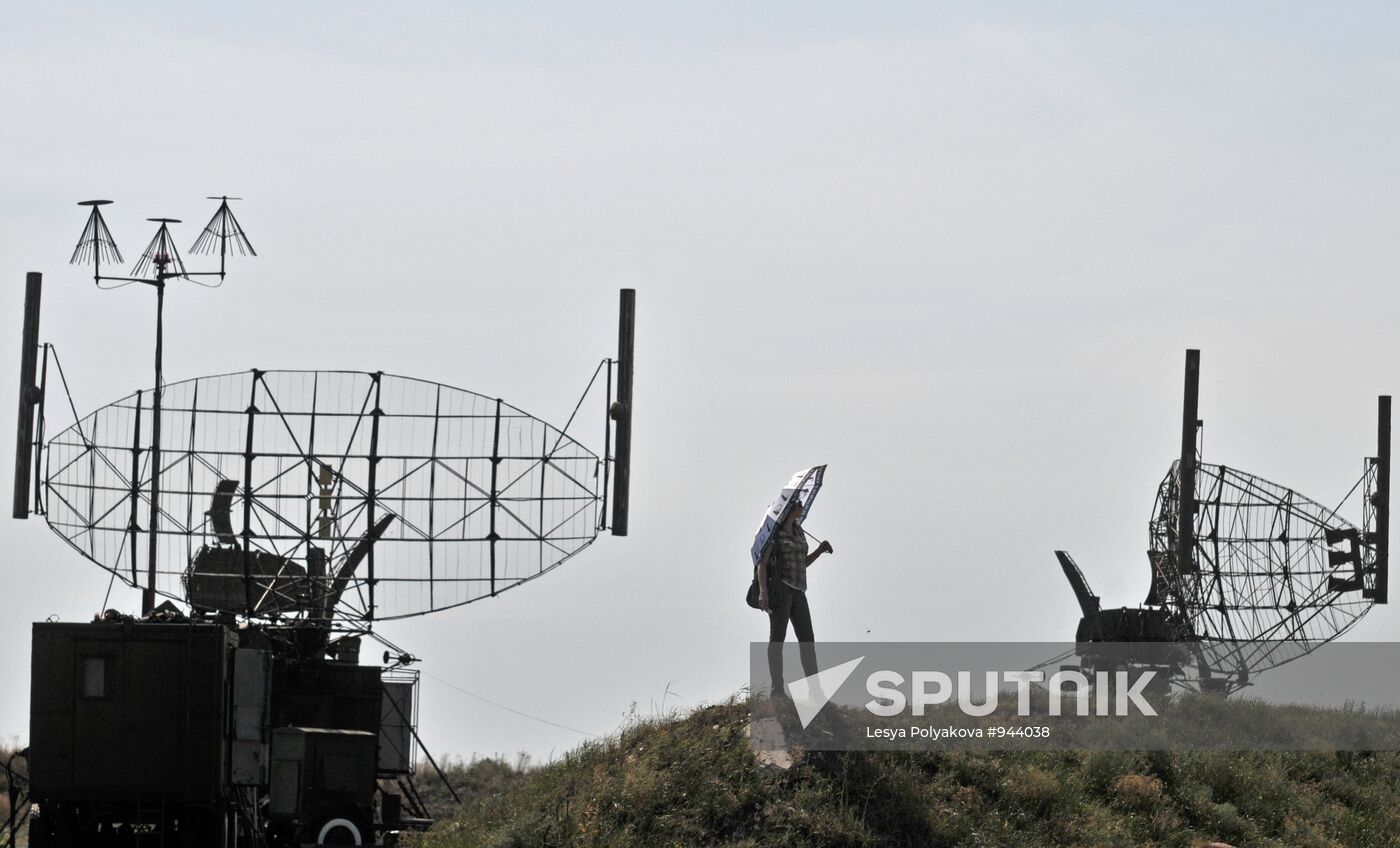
(96, 244)
(161, 251)
(222, 229)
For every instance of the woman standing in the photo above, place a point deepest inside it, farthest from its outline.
(782, 593)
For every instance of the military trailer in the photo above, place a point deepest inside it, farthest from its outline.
(190, 733)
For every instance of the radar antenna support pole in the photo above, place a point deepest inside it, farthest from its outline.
(1186, 469)
(148, 595)
(247, 534)
(372, 497)
(1382, 496)
(621, 411)
(28, 392)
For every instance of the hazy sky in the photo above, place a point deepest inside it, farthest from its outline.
(955, 254)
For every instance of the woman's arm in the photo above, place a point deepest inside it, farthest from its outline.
(824, 547)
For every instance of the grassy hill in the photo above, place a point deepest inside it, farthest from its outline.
(471, 780)
(695, 781)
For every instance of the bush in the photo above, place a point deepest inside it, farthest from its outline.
(1137, 791)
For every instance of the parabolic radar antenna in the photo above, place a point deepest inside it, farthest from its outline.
(324, 494)
(1245, 574)
(314, 497)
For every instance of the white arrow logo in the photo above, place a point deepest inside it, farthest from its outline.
(814, 691)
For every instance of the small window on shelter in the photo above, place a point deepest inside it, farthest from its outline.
(94, 677)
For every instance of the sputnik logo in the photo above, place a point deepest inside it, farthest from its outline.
(815, 691)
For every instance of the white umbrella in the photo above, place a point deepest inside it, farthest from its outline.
(799, 493)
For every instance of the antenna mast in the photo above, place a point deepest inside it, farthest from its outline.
(160, 261)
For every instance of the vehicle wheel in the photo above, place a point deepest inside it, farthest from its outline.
(343, 830)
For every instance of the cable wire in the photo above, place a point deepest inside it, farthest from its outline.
(501, 706)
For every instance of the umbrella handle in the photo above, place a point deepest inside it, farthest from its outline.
(829, 548)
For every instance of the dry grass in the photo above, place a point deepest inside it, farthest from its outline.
(695, 781)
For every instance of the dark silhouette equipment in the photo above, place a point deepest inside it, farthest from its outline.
(1246, 575)
(276, 516)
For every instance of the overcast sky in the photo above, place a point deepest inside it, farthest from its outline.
(956, 255)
